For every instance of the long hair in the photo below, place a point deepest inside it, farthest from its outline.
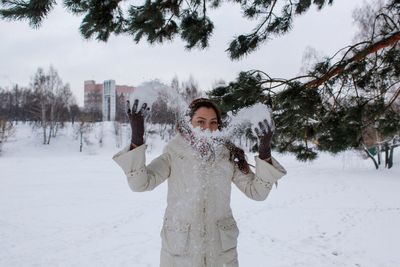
(236, 154)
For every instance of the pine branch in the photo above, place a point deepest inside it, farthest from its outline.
(34, 10)
(341, 67)
(267, 18)
(277, 81)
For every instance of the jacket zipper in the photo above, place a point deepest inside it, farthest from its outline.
(205, 232)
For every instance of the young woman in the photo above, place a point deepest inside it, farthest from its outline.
(199, 165)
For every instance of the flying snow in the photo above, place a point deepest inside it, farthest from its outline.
(250, 116)
(149, 92)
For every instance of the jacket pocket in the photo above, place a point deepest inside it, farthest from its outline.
(175, 237)
(228, 232)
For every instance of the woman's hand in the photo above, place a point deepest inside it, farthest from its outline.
(264, 133)
(136, 118)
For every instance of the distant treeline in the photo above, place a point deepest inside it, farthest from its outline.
(46, 99)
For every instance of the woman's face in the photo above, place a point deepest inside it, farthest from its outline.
(205, 118)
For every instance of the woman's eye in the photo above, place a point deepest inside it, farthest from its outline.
(214, 123)
(200, 122)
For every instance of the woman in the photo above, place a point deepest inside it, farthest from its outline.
(198, 228)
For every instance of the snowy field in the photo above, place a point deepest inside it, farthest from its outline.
(59, 207)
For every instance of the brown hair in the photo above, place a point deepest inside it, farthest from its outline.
(237, 154)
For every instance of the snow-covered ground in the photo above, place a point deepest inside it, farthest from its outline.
(60, 207)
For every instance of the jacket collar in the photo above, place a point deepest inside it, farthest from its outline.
(180, 147)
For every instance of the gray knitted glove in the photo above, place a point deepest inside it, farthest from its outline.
(264, 133)
(136, 118)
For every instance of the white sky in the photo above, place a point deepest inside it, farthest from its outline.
(58, 42)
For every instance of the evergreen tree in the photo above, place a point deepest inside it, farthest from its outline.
(336, 104)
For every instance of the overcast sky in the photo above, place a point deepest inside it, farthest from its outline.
(58, 42)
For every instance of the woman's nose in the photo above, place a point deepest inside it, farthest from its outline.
(208, 126)
(205, 127)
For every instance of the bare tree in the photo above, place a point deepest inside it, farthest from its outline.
(190, 90)
(74, 112)
(54, 86)
(64, 99)
(40, 87)
(52, 102)
(6, 130)
(163, 115)
(175, 83)
(84, 126)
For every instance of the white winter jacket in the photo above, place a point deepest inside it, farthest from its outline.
(198, 228)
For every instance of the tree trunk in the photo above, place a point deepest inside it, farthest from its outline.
(371, 157)
(378, 149)
(80, 148)
(44, 122)
(390, 161)
(386, 146)
(44, 134)
(49, 137)
(51, 131)
(55, 129)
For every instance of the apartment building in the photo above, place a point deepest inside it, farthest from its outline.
(106, 99)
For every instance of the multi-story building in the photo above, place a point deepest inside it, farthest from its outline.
(106, 99)
(93, 96)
